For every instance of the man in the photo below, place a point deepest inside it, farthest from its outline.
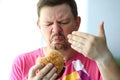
(87, 57)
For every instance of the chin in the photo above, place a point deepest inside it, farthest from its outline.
(59, 46)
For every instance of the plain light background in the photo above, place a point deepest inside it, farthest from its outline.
(109, 12)
(20, 34)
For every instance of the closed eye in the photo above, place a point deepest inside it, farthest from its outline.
(48, 24)
(63, 22)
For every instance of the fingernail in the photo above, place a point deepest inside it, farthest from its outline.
(56, 74)
(69, 36)
(55, 68)
(74, 32)
(42, 64)
(50, 64)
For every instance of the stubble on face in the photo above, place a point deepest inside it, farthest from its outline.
(61, 45)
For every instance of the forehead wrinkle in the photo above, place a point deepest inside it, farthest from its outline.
(57, 13)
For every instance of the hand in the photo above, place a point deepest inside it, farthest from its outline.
(47, 72)
(94, 47)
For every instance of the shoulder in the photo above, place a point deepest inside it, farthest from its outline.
(23, 62)
(28, 56)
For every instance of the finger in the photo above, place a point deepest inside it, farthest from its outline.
(54, 77)
(81, 34)
(101, 32)
(50, 74)
(44, 71)
(76, 43)
(76, 38)
(78, 48)
(32, 71)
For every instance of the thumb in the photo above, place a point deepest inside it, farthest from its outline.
(101, 30)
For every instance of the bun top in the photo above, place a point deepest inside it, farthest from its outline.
(54, 57)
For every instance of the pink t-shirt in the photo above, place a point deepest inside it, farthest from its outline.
(77, 68)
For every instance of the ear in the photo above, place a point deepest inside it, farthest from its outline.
(78, 21)
(38, 23)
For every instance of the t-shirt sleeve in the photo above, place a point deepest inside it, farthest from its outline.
(22, 64)
(16, 72)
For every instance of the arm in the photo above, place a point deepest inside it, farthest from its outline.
(108, 68)
(95, 48)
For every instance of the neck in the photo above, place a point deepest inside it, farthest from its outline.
(68, 54)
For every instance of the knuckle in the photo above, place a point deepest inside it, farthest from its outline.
(92, 41)
(42, 73)
(45, 78)
(32, 69)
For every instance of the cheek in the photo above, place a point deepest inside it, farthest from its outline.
(46, 35)
(68, 31)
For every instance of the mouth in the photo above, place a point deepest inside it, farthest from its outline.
(58, 42)
(57, 39)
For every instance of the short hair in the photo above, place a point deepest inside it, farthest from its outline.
(71, 3)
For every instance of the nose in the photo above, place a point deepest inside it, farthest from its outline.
(56, 28)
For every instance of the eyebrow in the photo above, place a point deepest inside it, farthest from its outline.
(67, 19)
(49, 21)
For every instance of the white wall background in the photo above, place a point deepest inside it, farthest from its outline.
(109, 12)
(19, 32)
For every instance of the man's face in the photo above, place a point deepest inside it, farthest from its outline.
(55, 24)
